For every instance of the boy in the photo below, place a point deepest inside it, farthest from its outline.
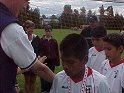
(76, 77)
(86, 32)
(96, 53)
(50, 49)
(113, 66)
(29, 76)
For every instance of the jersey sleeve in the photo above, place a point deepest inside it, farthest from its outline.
(54, 88)
(16, 45)
(58, 80)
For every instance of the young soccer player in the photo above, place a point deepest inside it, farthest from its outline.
(96, 53)
(113, 66)
(76, 77)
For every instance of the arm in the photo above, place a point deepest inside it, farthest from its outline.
(42, 70)
(23, 48)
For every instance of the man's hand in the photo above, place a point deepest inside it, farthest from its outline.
(42, 59)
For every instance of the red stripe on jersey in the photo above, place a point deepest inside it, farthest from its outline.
(113, 65)
(89, 71)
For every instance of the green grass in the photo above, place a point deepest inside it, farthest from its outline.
(59, 34)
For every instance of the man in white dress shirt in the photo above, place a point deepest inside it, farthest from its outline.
(15, 48)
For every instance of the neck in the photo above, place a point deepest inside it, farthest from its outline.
(115, 61)
(48, 37)
(79, 75)
(30, 37)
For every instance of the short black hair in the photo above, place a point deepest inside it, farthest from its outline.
(114, 39)
(99, 31)
(74, 45)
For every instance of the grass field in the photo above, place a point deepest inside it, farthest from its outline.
(59, 34)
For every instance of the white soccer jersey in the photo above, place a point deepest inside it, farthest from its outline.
(95, 58)
(115, 75)
(16, 45)
(95, 83)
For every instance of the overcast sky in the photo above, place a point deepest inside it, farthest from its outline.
(49, 7)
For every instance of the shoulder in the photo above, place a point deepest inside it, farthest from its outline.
(43, 38)
(36, 36)
(53, 39)
(92, 49)
(99, 78)
(14, 30)
(60, 75)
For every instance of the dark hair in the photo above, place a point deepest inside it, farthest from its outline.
(48, 28)
(114, 39)
(74, 45)
(99, 31)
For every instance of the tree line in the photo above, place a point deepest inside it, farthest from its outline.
(73, 18)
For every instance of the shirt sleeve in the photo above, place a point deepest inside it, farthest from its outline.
(54, 85)
(16, 45)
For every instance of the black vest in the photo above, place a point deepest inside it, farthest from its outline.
(8, 68)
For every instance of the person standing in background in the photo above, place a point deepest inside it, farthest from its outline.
(86, 32)
(96, 53)
(49, 47)
(30, 77)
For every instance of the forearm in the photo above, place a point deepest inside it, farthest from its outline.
(43, 71)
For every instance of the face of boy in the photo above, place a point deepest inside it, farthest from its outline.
(72, 66)
(48, 33)
(98, 43)
(112, 53)
(30, 30)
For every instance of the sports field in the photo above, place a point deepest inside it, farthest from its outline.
(59, 34)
